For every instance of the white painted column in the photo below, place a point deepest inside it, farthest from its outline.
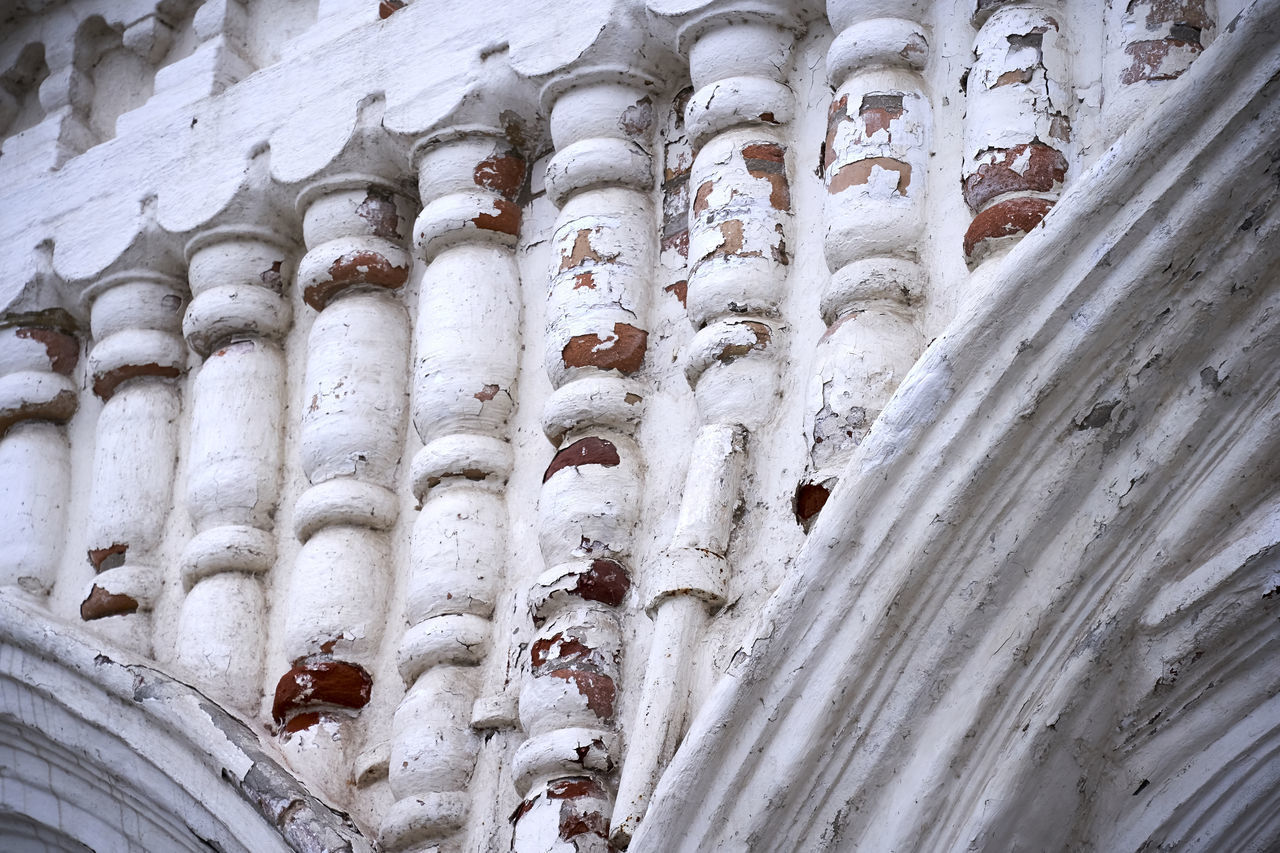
(604, 250)
(468, 348)
(136, 320)
(739, 223)
(351, 439)
(236, 321)
(875, 167)
(1017, 129)
(38, 393)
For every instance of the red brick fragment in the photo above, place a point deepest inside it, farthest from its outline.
(607, 582)
(1014, 216)
(100, 604)
(1043, 171)
(596, 687)
(106, 383)
(505, 219)
(320, 682)
(503, 173)
(361, 267)
(63, 349)
(624, 352)
(584, 451)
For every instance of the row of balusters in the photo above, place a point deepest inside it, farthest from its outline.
(732, 220)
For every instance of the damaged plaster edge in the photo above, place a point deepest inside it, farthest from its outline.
(234, 754)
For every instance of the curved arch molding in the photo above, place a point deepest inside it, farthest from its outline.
(1040, 611)
(100, 752)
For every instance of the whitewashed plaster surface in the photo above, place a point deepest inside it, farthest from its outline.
(338, 90)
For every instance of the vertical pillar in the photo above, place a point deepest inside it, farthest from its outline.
(875, 162)
(1148, 44)
(351, 439)
(604, 254)
(739, 221)
(468, 349)
(1017, 129)
(138, 351)
(38, 355)
(236, 320)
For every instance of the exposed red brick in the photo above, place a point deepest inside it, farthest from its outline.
(597, 688)
(578, 818)
(565, 650)
(573, 788)
(582, 251)
(1192, 13)
(1045, 170)
(320, 682)
(109, 557)
(1148, 56)
(388, 7)
(624, 353)
(1014, 216)
(272, 278)
(106, 383)
(637, 118)
(303, 721)
(59, 410)
(679, 241)
(100, 604)
(63, 349)
(768, 117)
(810, 499)
(503, 173)
(680, 289)
(859, 173)
(838, 114)
(584, 279)
(701, 201)
(584, 451)
(878, 112)
(607, 582)
(486, 393)
(361, 267)
(730, 352)
(379, 210)
(767, 161)
(506, 219)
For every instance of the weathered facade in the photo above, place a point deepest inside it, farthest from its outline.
(672, 425)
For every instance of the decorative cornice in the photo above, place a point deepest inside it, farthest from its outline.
(951, 641)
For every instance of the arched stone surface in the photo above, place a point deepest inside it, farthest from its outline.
(104, 753)
(960, 662)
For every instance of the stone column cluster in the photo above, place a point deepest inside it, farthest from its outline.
(596, 338)
(739, 220)
(1017, 129)
(237, 319)
(138, 352)
(38, 394)
(351, 440)
(468, 348)
(875, 163)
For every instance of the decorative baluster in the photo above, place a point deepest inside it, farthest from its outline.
(1016, 129)
(1149, 43)
(736, 118)
(136, 320)
(602, 121)
(875, 165)
(468, 349)
(38, 355)
(351, 440)
(236, 321)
